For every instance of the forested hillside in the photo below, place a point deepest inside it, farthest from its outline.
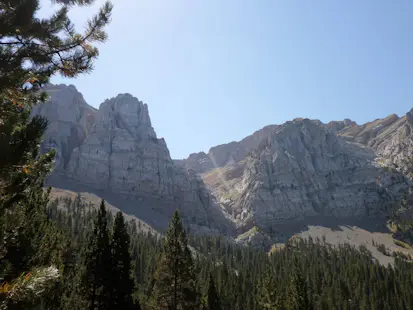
(88, 247)
(64, 254)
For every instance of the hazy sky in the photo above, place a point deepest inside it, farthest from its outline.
(214, 71)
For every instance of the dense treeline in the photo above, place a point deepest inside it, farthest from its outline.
(66, 255)
(401, 219)
(209, 273)
(32, 49)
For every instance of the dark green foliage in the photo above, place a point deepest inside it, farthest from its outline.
(96, 276)
(343, 277)
(296, 297)
(30, 238)
(36, 48)
(401, 219)
(175, 278)
(332, 278)
(213, 301)
(31, 51)
(30, 241)
(122, 283)
(21, 167)
(268, 296)
(95, 266)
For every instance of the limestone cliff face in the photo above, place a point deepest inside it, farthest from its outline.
(123, 155)
(336, 126)
(225, 154)
(367, 132)
(394, 144)
(307, 168)
(390, 138)
(70, 120)
(281, 172)
(304, 169)
(122, 151)
(115, 150)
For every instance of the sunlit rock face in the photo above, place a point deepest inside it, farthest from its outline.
(302, 168)
(115, 149)
(225, 154)
(70, 121)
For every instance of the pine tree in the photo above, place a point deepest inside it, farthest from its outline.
(50, 45)
(21, 167)
(27, 290)
(31, 240)
(122, 283)
(175, 278)
(268, 297)
(31, 51)
(296, 298)
(95, 286)
(25, 231)
(214, 302)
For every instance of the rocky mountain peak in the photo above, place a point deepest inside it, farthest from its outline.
(127, 113)
(349, 122)
(115, 153)
(336, 126)
(409, 116)
(282, 172)
(303, 169)
(224, 154)
(70, 121)
(227, 154)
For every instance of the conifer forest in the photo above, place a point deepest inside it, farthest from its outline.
(66, 254)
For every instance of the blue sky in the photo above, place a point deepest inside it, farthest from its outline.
(215, 71)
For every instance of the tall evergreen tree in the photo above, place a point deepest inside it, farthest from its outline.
(296, 298)
(268, 295)
(95, 286)
(25, 230)
(175, 278)
(32, 49)
(214, 302)
(122, 283)
(341, 277)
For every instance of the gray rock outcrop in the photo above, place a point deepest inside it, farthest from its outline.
(299, 169)
(70, 121)
(115, 150)
(391, 139)
(225, 154)
(336, 126)
(302, 170)
(122, 151)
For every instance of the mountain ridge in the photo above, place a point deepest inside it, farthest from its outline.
(121, 156)
(279, 173)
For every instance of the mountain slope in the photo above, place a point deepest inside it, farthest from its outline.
(119, 157)
(391, 139)
(222, 155)
(70, 120)
(304, 170)
(279, 174)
